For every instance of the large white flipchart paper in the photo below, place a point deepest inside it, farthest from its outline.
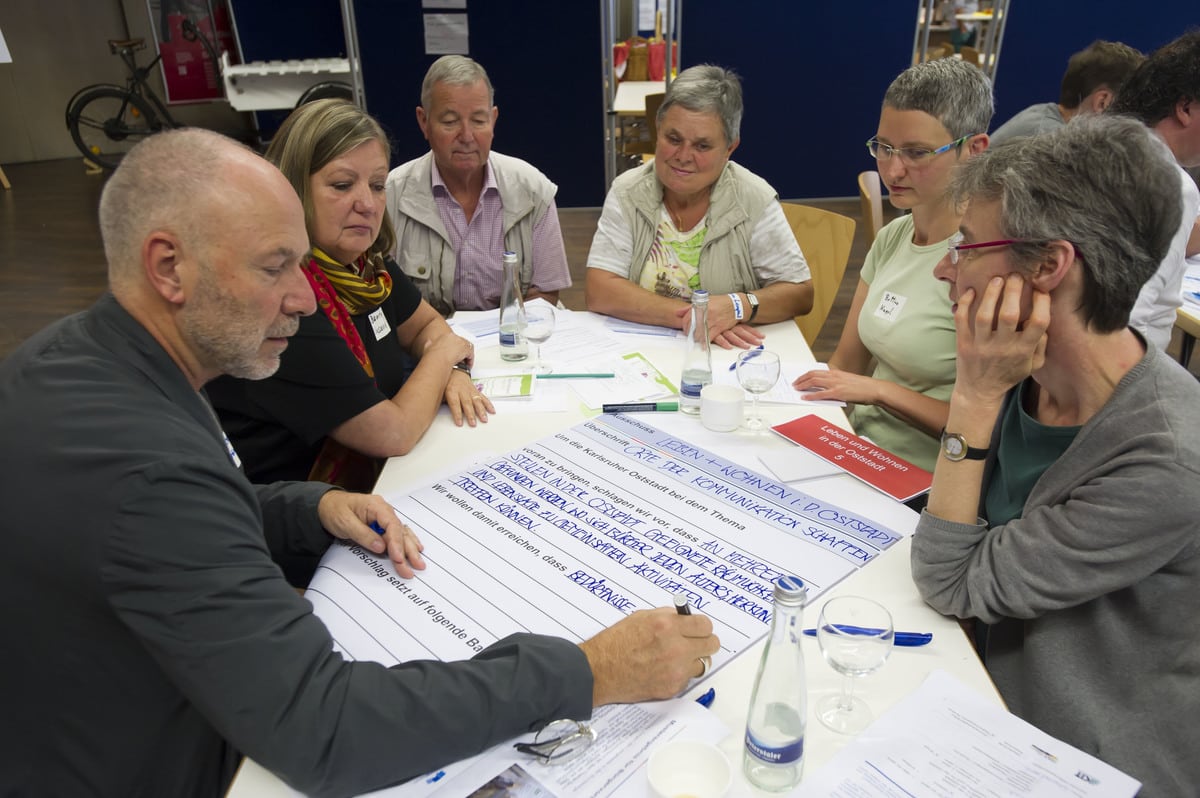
(569, 534)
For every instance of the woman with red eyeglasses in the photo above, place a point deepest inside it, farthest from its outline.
(1064, 503)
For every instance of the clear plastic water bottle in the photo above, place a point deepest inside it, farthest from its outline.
(513, 345)
(774, 758)
(697, 361)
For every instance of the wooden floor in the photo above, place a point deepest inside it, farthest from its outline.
(52, 262)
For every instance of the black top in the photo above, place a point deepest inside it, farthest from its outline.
(279, 424)
(149, 637)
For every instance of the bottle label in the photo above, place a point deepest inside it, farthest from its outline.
(783, 755)
(691, 389)
(508, 339)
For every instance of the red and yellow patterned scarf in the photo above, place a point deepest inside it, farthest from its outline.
(342, 293)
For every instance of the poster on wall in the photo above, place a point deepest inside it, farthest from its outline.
(190, 36)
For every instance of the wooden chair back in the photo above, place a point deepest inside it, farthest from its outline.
(642, 133)
(825, 238)
(870, 191)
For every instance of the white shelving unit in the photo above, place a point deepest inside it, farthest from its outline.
(268, 85)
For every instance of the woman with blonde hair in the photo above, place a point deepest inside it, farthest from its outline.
(367, 373)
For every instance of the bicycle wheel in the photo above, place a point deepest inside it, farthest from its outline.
(106, 121)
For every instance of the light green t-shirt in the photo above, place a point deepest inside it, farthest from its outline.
(672, 266)
(907, 324)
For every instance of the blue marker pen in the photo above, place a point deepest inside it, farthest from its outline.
(376, 528)
(733, 365)
(706, 698)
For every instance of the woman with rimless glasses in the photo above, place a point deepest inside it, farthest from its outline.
(935, 116)
(1064, 505)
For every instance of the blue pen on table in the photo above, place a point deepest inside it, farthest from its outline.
(907, 639)
(733, 365)
(706, 698)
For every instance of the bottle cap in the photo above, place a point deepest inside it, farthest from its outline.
(790, 589)
(700, 295)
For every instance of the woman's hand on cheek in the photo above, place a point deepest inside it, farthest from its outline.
(996, 347)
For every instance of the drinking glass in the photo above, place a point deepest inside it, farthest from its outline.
(539, 326)
(757, 372)
(855, 635)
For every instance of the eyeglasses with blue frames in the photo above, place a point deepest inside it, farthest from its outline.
(559, 741)
(909, 156)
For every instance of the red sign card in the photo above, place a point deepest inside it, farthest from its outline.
(877, 467)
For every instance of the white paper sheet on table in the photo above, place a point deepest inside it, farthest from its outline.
(634, 328)
(568, 534)
(614, 765)
(945, 736)
(635, 379)
(797, 465)
(782, 392)
(1191, 285)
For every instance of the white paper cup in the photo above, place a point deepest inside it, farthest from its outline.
(721, 407)
(688, 769)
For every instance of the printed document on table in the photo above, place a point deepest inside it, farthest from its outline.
(947, 740)
(569, 534)
(782, 392)
(613, 765)
(635, 379)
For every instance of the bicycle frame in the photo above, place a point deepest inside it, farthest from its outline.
(136, 84)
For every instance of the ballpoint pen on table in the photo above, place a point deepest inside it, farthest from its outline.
(733, 365)
(904, 639)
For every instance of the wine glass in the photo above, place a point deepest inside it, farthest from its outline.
(855, 635)
(757, 372)
(539, 326)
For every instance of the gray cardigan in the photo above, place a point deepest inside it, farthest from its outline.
(1095, 590)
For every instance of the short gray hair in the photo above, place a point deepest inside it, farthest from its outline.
(159, 185)
(953, 92)
(455, 70)
(1104, 183)
(707, 88)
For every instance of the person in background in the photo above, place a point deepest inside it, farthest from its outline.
(964, 32)
(1093, 79)
(459, 207)
(1064, 503)
(154, 641)
(934, 118)
(1164, 94)
(343, 399)
(694, 219)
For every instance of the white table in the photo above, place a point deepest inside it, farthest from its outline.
(630, 99)
(887, 579)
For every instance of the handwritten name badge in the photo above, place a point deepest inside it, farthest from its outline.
(890, 306)
(379, 324)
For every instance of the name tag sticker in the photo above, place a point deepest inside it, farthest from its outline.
(890, 306)
(379, 324)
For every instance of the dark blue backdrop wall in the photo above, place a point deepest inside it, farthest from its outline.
(814, 73)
